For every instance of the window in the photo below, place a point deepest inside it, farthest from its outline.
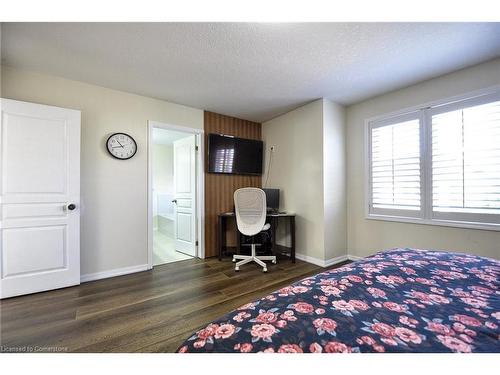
(395, 166)
(437, 165)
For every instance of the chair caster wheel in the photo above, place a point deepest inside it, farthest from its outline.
(234, 260)
(236, 268)
(274, 261)
(264, 270)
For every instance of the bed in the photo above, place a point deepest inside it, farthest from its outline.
(401, 300)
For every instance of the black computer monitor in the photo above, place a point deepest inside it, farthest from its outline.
(272, 199)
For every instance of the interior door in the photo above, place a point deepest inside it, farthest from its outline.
(39, 198)
(185, 195)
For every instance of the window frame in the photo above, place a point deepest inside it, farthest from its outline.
(426, 215)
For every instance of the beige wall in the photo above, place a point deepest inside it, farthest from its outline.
(113, 192)
(297, 170)
(309, 168)
(334, 179)
(368, 236)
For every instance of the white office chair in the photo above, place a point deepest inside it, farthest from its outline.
(251, 209)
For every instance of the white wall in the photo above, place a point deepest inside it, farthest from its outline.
(163, 174)
(1, 60)
(368, 236)
(334, 179)
(163, 168)
(308, 167)
(113, 192)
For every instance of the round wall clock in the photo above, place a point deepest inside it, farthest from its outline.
(121, 146)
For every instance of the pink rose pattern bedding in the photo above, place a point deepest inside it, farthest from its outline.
(403, 300)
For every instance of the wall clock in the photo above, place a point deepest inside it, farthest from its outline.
(121, 146)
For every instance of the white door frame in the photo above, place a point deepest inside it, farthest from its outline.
(200, 186)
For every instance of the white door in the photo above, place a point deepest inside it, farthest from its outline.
(39, 198)
(185, 195)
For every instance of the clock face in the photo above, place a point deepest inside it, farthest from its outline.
(121, 146)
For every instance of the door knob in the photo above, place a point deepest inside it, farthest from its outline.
(71, 206)
(174, 201)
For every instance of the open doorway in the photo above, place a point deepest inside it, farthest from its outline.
(175, 194)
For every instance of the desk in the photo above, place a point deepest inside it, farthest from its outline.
(270, 218)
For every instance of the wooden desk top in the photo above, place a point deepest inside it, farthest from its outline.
(279, 214)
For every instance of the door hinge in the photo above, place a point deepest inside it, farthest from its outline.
(196, 148)
(196, 243)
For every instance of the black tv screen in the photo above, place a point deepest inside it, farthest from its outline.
(233, 155)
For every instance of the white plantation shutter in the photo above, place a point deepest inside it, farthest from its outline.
(466, 162)
(395, 166)
(437, 165)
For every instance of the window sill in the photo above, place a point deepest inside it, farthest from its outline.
(440, 223)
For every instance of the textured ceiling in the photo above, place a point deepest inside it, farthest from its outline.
(255, 71)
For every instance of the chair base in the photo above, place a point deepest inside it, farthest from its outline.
(244, 259)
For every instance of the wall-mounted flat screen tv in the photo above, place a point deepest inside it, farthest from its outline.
(231, 155)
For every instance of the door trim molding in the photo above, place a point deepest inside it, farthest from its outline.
(200, 186)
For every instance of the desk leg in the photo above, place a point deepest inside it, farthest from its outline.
(220, 235)
(273, 235)
(292, 235)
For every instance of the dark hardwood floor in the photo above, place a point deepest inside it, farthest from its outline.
(152, 311)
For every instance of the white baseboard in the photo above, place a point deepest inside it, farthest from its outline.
(321, 262)
(113, 273)
(308, 259)
(354, 257)
(332, 261)
(326, 263)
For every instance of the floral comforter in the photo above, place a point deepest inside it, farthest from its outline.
(402, 300)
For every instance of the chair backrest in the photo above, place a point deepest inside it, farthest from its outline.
(251, 210)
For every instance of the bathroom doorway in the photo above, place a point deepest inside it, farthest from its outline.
(175, 194)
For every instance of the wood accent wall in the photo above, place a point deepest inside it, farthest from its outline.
(219, 188)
